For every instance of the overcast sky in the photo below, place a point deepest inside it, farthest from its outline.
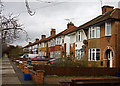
(53, 15)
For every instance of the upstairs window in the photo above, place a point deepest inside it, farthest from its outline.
(94, 32)
(63, 40)
(80, 36)
(107, 29)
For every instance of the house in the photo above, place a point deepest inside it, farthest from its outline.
(51, 43)
(77, 47)
(28, 48)
(43, 46)
(35, 46)
(103, 38)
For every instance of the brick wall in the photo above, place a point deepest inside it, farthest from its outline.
(76, 71)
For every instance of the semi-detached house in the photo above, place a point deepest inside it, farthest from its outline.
(103, 38)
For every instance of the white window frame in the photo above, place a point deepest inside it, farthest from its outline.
(92, 35)
(91, 54)
(106, 28)
(79, 36)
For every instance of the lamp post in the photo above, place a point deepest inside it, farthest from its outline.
(0, 29)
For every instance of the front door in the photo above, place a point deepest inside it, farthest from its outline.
(109, 55)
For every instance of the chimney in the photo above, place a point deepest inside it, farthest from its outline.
(30, 42)
(53, 32)
(36, 39)
(70, 25)
(106, 9)
(43, 36)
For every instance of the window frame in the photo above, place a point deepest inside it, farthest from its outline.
(91, 53)
(79, 36)
(106, 28)
(91, 34)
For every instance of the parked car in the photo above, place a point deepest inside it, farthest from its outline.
(29, 55)
(50, 61)
(58, 61)
(39, 58)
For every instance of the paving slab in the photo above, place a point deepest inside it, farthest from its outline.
(8, 74)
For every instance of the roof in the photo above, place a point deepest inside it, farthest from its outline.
(63, 32)
(114, 14)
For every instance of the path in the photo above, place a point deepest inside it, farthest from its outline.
(8, 74)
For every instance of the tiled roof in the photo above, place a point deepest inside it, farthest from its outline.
(114, 14)
(28, 45)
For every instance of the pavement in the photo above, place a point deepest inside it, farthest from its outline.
(20, 75)
(8, 74)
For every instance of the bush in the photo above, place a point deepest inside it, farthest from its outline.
(69, 62)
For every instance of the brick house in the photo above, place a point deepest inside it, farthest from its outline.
(42, 46)
(103, 38)
(51, 43)
(58, 44)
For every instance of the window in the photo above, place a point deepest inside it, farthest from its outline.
(52, 54)
(52, 42)
(107, 29)
(63, 40)
(57, 41)
(58, 54)
(42, 45)
(97, 32)
(80, 36)
(94, 54)
(41, 53)
(79, 54)
(48, 44)
(94, 32)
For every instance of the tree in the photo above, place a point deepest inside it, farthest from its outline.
(10, 28)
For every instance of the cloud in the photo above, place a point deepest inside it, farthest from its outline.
(53, 15)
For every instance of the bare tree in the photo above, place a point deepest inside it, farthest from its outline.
(11, 29)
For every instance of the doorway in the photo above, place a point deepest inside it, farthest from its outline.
(109, 57)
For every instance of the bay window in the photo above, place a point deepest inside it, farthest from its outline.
(94, 54)
(79, 54)
(52, 54)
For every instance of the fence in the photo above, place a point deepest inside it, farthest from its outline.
(76, 71)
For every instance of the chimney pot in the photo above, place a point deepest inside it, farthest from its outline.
(69, 25)
(53, 32)
(43, 36)
(106, 9)
(36, 39)
(30, 42)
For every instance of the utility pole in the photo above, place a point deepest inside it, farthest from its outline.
(1, 29)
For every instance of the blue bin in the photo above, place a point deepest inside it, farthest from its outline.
(27, 77)
(29, 62)
(117, 74)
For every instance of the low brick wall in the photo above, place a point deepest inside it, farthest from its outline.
(76, 71)
(37, 76)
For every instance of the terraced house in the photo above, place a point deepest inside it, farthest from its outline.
(103, 38)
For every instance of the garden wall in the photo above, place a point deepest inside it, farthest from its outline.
(76, 71)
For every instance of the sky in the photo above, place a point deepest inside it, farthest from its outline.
(52, 15)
